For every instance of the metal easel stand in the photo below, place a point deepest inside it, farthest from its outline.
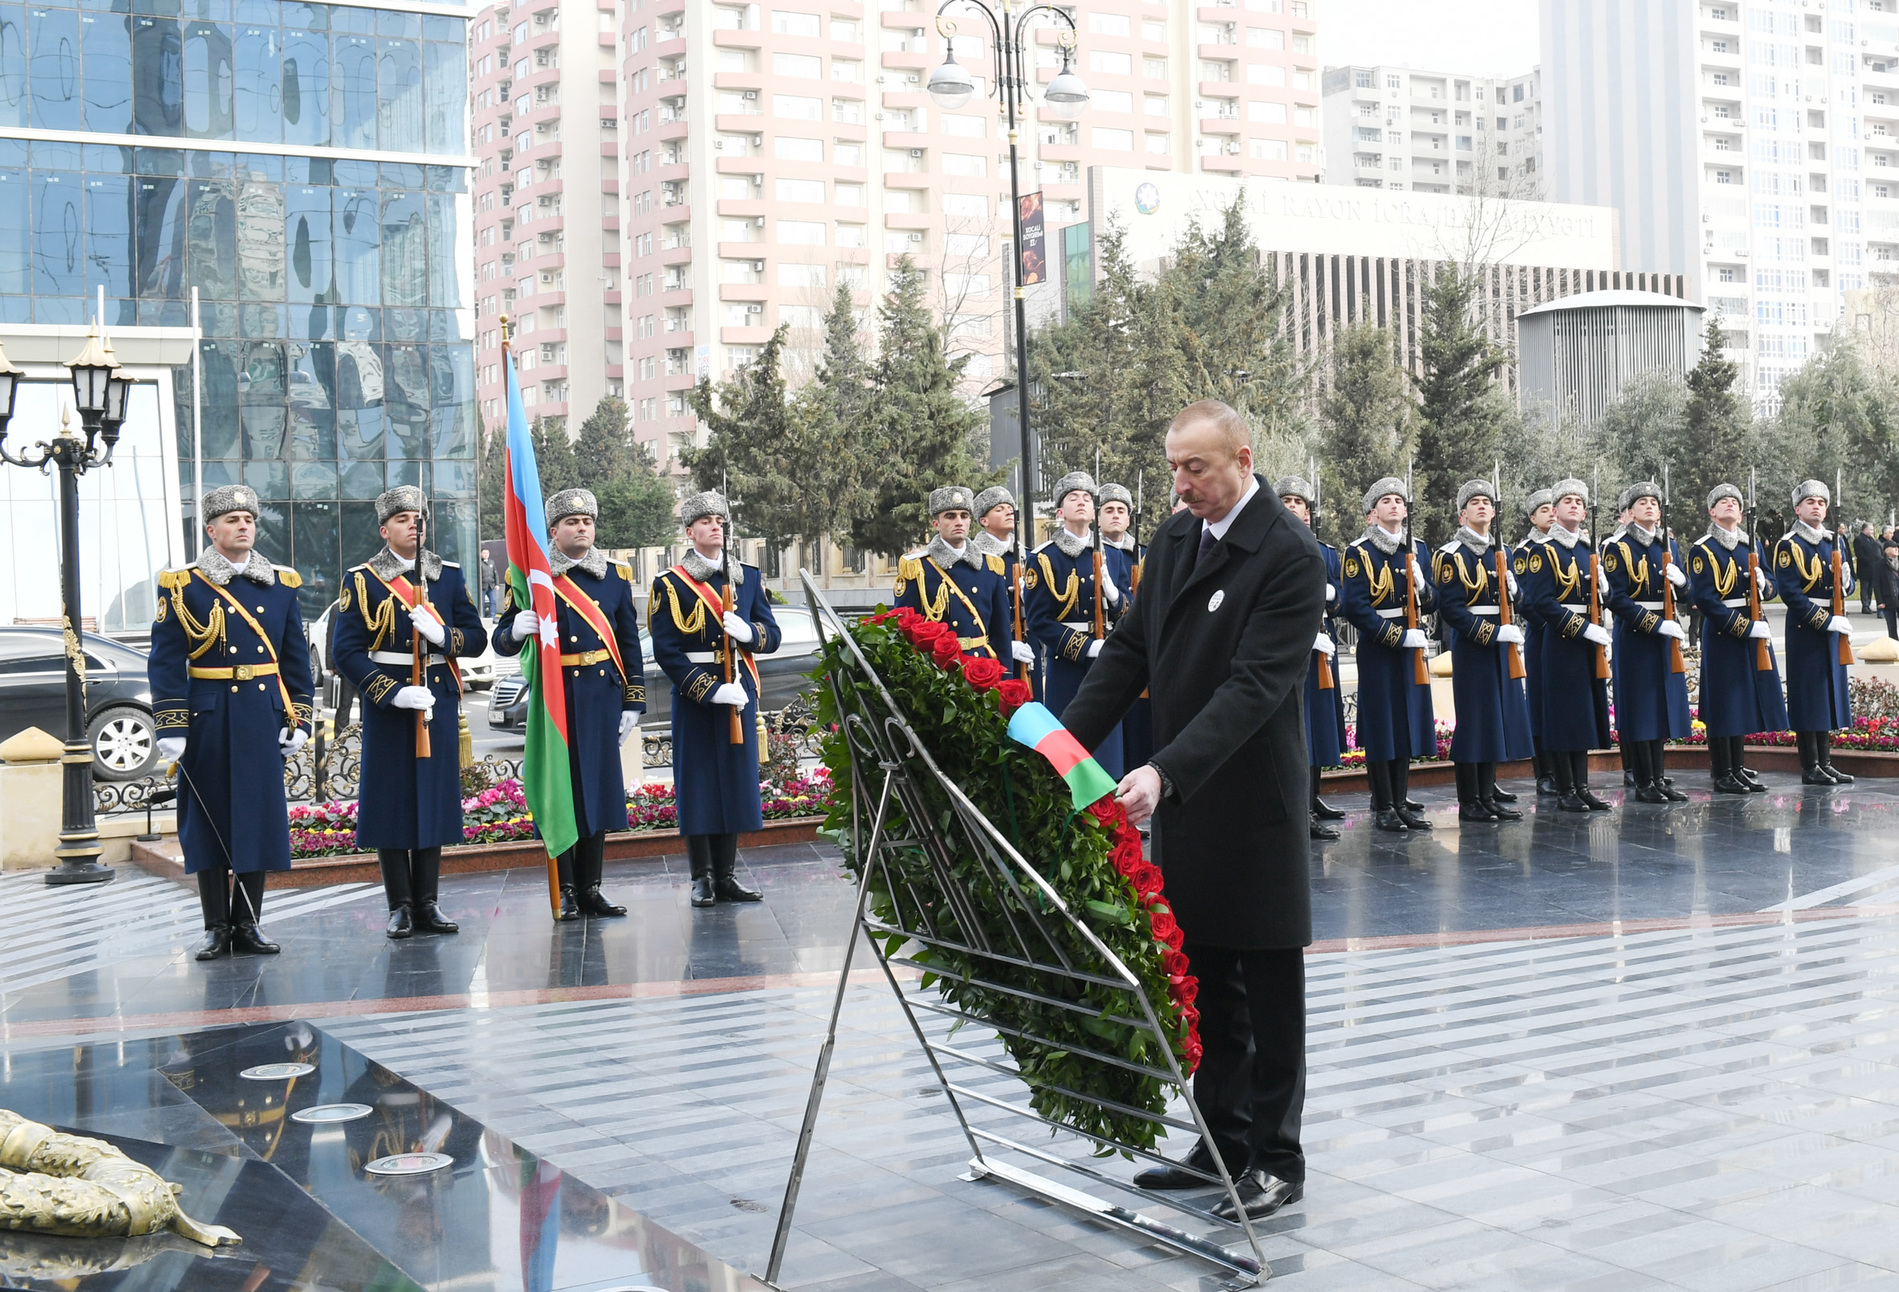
(1031, 947)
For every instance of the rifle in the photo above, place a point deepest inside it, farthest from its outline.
(1839, 590)
(1140, 500)
(1327, 681)
(737, 731)
(418, 645)
(1763, 657)
(1595, 581)
(1420, 674)
(1504, 614)
(1022, 519)
(1676, 664)
(1101, 627)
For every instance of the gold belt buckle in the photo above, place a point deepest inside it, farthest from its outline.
(242, 672)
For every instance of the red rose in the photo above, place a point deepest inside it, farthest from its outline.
(983, 674)
(1184, 990)
(1191, 1017)
(1161, 920)
(1174, 939)
(946, 651)
(1108, 809)
(921, 632)
(1174, 962)
(1012, 693)
(1127, 857)
(1147, 879)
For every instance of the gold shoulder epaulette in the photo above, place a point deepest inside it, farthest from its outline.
(995, 564)
(174, 578)
(288, 577)
(909, 567)
(626, 571)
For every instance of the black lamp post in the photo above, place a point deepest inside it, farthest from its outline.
(950, 87)
(99, 391)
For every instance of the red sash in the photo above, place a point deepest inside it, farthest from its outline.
(716, 604)
(589, 609)
(410, 596)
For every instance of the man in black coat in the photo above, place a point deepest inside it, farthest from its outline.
(1231, 600)
(1867, 558)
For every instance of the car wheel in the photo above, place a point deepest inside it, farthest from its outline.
(124, 744)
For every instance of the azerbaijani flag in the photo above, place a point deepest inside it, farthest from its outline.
(546, 779)
(1033, 725)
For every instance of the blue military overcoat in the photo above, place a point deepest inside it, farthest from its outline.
(405, 801)
(1738, 697)
(716, 781)
(598, 691)
(1493, 711)
(1817, 696)
(1532, 625)
(971, 595)
(1574, 703)
(230, 672)
(1651, 699)
(1058, 601)
(1137, 729)
(1395, 719)
(1325, 708)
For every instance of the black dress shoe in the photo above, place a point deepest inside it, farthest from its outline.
(216, 944)
(1260, 1195)
(1547, 785)
(1475, 812)
(400, 924)
(1571, 802)
(1165, 1178)
(1669, 792)
(730, 889)
(702, 894)
(429, 919)
(594, 904)
(1503, 796)
(1839, 777)
(1320, 830)
(1502, 813)
(1816, 776)
(1325, 811)
(1628, 780)
(1731, 784)
(1414, 818)
(569, 905)
(1588, 796)
(1754, 786)
(1410, 805)
(1650, 793)
(1749, 775)
(1387, 819)
(247, 941)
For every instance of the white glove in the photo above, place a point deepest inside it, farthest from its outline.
(1597, 633)
(732, 693)
(171, 748)
(1331, 593)
(291, 741)
(1670, 628)
(1109, 593)
(426, 624)
(1094, 647)
(1022, 652)
(737, 629)
(1512, 580)
(1840, 624)
(1510, 633)
(1760, 629)
(629, 723)
(527, 626)
(1414, 639)
(1676, 577)
(414, 697)
(1761, 581)
(1324, 644)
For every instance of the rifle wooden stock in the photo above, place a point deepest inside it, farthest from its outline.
(418, 674)
(737, 732)
(1595, 613)
(1420, 672)
(1504, 615)
(1021, 633)
(1839, 603)
(1101, 626)
(1326, 681)
(1763, 657)
(1676, 664)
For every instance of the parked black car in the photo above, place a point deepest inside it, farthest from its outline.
(118, 697)
(782, 675)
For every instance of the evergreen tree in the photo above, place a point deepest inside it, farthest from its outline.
(491, 476)
(922, 434)
(841, 368)
(1368, 426)
(1719, 439)
(636, 509)
(603, 450)
(554, 456)
(1461, 408)
(1838, 419)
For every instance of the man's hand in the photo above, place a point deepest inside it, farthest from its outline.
(732, 693)
(1760, 629)
(1022, 652)
(527, 626)
(290, 740)
(170, 749)
(1414, 639)
(1597, 633)
(414, 697)
(1675, 575)
(1139, 792)
(1669, 628)
(1109, 593)
(736, 628)
(1761, 581)
(629, 723)
(1094, 647)
(427, 624)
(1512, 580)
(1331, 593)
(1510, 633)
(1324, 643)
(1840, 624)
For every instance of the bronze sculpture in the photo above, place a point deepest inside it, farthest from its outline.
(54, 1183)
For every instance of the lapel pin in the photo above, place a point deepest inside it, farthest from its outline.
(1213, 602)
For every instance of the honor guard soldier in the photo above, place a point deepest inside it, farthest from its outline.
(1539, 510)
(995, 536)
(1059, 597)
(1573, 690)
(1325, 700)
(1121, 557)
(1740, 685)
(403, 613)
(1651, 698)
(1381, 572)
(599, 631)
(1813, 574)
(699, 644)
(1474, 590)
(955, 582)
(230, 677)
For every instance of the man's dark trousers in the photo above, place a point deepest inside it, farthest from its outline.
(1251, 1086)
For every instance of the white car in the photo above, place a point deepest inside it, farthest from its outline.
(477, 674)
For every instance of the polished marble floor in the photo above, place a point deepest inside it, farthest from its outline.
(1653, 1049)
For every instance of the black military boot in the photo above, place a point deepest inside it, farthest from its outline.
(247, 906)
(1579, 772)
(1823, 743)
(1384, 814)
(1493, 798)
(394, 863)
(1635, 755)
(699, 852)
(569, 900)
(1563, 774)
(425, 874)
(1737, 758)
(1545, 768)
(724, 862)
(1319, 830)
(1658, 764)
(1409, 811)
(1470, 805)
(1810, 770)
(1321, 810)
(214, 898)
(590, 862)
(1721, 767)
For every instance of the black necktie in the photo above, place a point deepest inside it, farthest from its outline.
(1207, 541)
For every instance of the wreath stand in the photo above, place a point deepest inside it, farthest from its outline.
(935, 909)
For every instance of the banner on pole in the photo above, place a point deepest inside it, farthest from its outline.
(1034, 253)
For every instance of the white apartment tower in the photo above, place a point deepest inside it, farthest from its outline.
(1751, 145)
(1433, 132)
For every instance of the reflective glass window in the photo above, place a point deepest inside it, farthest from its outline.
(260, 242)
(358, 232)
(353, 92)
(108, 254)
(445, 252)
(208, 75)
(447, 72)
(405, 250)
(106, 46)
(211, 208)
(53, 43)
(306, 87)
(218, 415)
(158, 222)
(307, 231)
(16, 258)
(58, 225)
(13, 63)
(257, 101)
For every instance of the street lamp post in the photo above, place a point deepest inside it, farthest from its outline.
(950, 87)
(99, 391)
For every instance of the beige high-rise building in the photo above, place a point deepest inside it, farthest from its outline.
(1400, 128)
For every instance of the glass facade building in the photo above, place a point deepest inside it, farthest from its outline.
(302, 169)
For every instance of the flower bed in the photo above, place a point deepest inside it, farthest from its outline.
(500, 814)
(1353, 759)
(1092, 859)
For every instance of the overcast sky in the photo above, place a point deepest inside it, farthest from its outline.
(1480, 37)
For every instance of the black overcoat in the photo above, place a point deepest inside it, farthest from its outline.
(1222, 649)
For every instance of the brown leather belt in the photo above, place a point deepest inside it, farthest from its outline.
(236, 673)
